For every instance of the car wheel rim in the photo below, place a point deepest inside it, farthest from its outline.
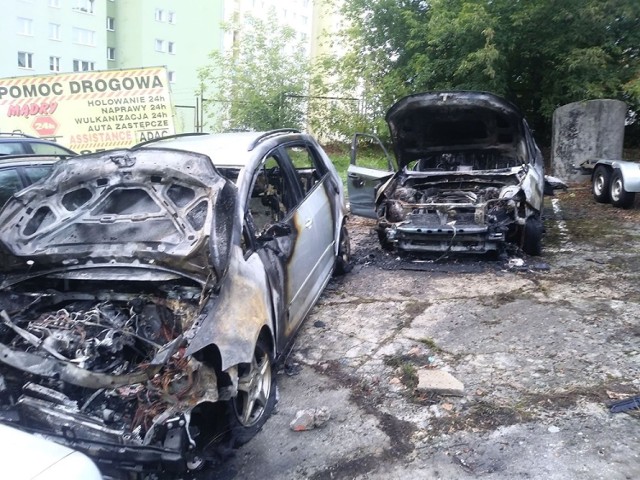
(616, 189)
(254, 388)
(598, 185)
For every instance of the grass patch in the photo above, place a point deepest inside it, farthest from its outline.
(406, 370)
(432, 345)
(480, 416)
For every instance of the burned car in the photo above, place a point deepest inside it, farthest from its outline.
(470, 177)
(146, 293)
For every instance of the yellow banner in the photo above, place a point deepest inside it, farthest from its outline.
(89, 111)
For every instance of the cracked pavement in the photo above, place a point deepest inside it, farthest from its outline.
(541, 352)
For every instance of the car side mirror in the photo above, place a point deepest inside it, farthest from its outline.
(275, 230)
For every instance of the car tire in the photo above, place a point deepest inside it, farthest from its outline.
(256, 397)
(619, 196)
(343, 258)
(384, 243)
(532, 236)
(601, 184)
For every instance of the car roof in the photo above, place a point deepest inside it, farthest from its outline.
(15, 135)
(17, 138)
(29, 159)
(232, 149)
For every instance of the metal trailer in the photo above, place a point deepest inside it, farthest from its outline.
(613, 181)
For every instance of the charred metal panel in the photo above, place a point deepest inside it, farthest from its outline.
(446, 121)
(233, 320)
(148, 207)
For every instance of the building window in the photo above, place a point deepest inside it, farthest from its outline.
(83, 36)
(172, 76)
(83, 66)
(171, 47)
(160, 45)
(111, 53)
(111, 24)
(54, 31)
(171, 17)
(25, 26)
(25, 60)
(54, 64)
(54, 3)
(159, 15)
(85, 6)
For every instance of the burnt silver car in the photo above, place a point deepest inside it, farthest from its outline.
(470, 177)
(147, 293)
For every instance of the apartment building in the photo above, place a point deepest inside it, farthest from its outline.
(326, 23)
(175, 33)
(296, 14)
(50, 36)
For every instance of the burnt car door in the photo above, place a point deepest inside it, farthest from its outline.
(291, 233)
(368, 159)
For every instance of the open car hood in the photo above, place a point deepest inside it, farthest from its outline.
(142, 214)
(442, 122)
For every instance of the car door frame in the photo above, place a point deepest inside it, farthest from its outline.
(277, 252)
(322, 225)
(363, 182)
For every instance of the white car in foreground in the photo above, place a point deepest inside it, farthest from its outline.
(25, 456)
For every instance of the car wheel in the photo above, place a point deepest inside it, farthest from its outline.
(601, 184)
(256, 396)
(384, 243)
(343, 259)
(619, 196)
(532, 236)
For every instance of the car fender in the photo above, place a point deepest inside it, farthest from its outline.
(235, 319)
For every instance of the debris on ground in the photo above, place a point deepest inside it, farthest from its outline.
(439, 381)
(309, 419)
(515, 262)
(292, 369)
(625, 405)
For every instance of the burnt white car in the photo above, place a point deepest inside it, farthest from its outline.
(146, 293)
(470, 177)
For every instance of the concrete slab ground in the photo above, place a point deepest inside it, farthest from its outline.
(540, 351)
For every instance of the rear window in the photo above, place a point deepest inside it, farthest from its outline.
(36, 173)
(48, 149)
(12, 148)
(9, 184)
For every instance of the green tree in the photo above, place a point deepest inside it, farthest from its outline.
(540, 54)
(260, 84)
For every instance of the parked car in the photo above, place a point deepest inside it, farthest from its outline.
(21, 144)
(147, 292)
(469, 177)
(29, 457)
(20, 171)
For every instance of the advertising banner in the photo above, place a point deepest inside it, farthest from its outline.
(89, 111)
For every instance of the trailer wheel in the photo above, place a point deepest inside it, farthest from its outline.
(619, 196)
(601, 184)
